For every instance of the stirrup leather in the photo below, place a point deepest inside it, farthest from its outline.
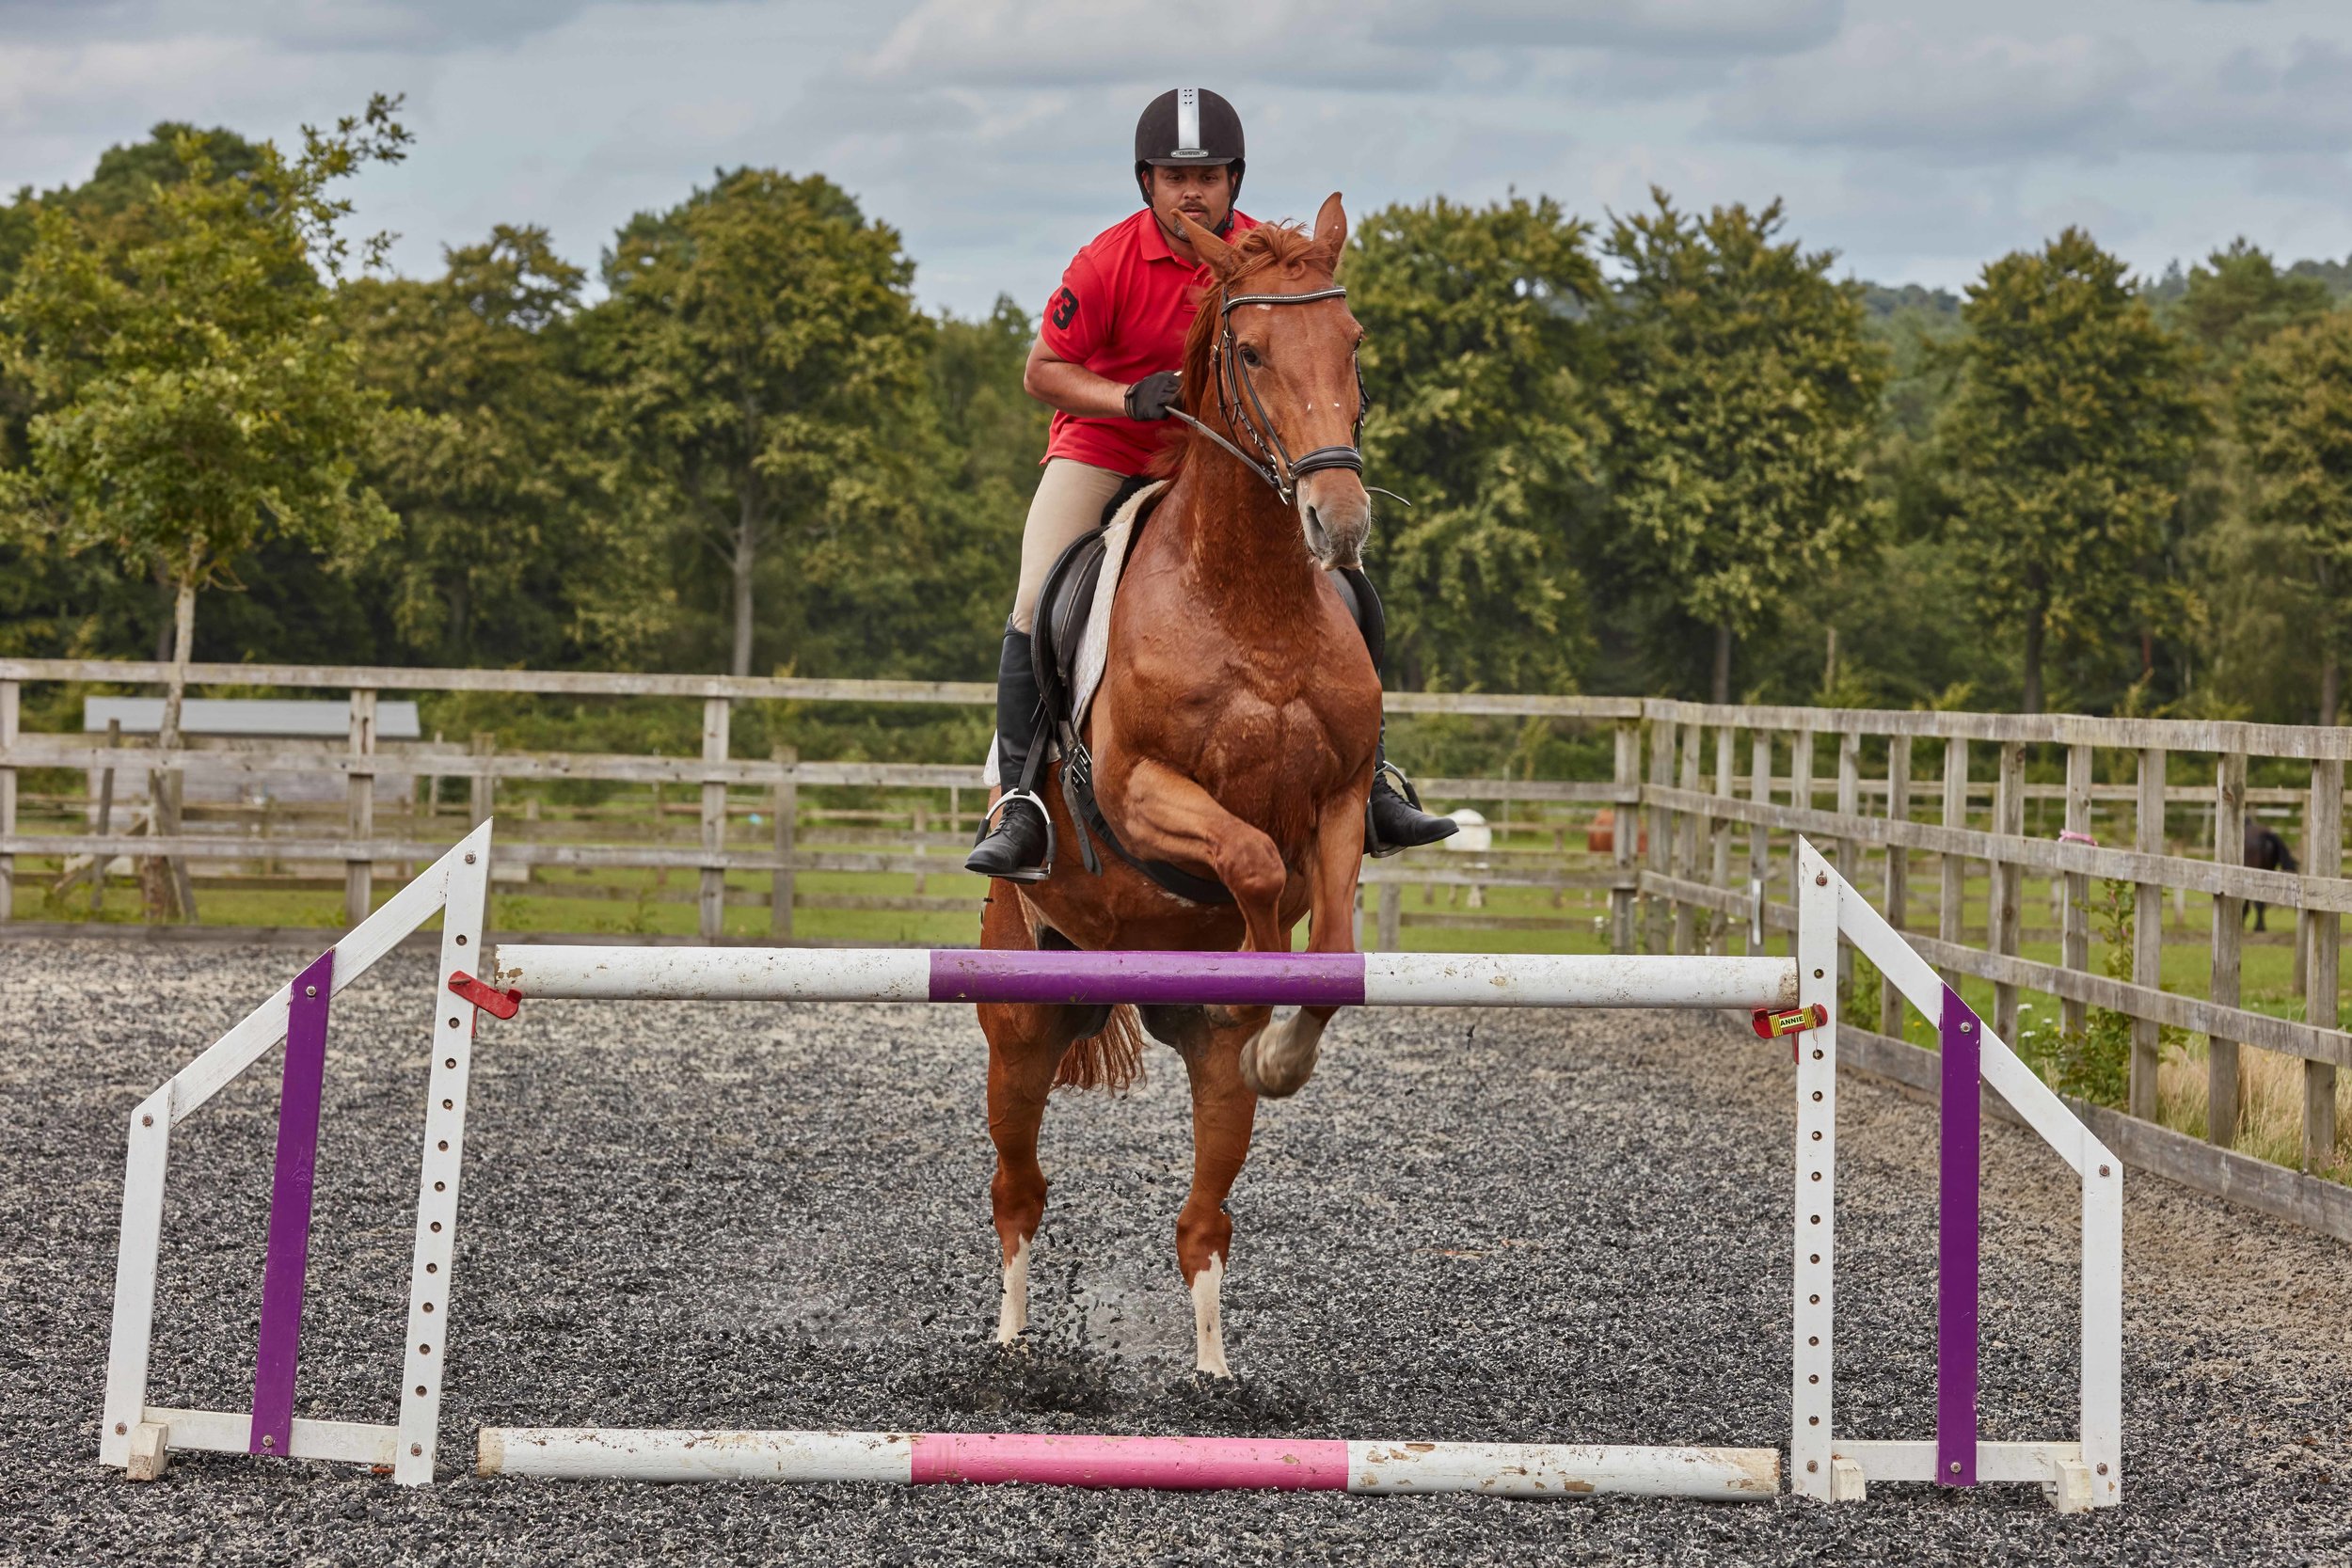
(988, 823)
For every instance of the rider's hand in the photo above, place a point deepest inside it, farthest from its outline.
(1153, 396)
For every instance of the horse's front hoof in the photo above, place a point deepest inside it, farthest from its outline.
(1275, 1064)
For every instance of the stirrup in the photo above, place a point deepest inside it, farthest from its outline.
(988, 821)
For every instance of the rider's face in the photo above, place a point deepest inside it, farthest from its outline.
(1203, 192)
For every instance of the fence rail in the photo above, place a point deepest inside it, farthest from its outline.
(1708, 800)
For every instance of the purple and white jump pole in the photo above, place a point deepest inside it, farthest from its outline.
(1231, 979)
(2086, 1473)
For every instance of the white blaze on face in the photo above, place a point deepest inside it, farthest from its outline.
(1208, 1321)
(1012, 1307)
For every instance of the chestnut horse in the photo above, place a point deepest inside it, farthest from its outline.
(1234, 735)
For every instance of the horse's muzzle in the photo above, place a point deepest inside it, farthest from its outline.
(1335, 515)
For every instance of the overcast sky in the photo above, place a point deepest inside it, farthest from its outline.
(1917, 137)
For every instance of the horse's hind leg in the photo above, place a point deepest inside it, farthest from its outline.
(1223, 1110)
(1025, 1049)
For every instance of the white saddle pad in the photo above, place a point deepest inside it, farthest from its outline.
(1095, 641)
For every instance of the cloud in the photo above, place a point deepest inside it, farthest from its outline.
(2296, 101)
(2079, 95)
(1064, 43)
(99, 86)
(408, 27)
(1882, 87)
(1377, 44)
(1705, 29)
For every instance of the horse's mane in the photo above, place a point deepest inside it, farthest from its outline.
(1270, 247)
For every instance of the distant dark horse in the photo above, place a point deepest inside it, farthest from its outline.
(2266, 851)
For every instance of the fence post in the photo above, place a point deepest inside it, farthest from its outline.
(106, 826)
(786, 804)
(713, 902)
(10, 701)
(359, 795)
(1952, 899)
(2147, 932)
(1897, 873)
(2222, 1087)
(1719, 840)
(1849, 852)
(2074, 923)
(1626, 816)
(2323, 856)
(482, 786)
(1799, 799)
(1685, 846)
(1661, 776)
(1849, 799)
(1391, 917)
(1760, 837)
(2009, 882)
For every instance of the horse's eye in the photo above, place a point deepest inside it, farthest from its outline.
(1248, 354)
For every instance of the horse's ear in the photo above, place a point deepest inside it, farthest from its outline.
(1331, 232)
(1218, 256)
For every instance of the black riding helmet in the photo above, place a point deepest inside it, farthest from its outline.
(1189, 125)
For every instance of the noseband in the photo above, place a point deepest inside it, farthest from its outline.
(1238, 401)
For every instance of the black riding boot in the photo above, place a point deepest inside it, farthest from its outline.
(1017, 839)
(1393, 820)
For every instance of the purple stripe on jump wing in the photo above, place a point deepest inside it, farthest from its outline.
(289, 1254)
(1231, 979)
(1963, 1040)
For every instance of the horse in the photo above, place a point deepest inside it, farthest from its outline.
(2266, 851)
(1233, 736)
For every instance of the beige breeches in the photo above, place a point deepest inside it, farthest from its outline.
(1070, 500)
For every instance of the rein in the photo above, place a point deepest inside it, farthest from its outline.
(1237, 400)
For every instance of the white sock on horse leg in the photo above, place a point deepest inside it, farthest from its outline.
(1208, 1321)
(1012, 1307)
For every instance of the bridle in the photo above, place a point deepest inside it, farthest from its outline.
(1238, 401)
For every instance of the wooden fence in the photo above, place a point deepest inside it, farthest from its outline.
(2144, 811)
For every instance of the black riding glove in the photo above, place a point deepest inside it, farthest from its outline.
(1153, 396)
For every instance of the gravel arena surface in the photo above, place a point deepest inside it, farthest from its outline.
(1531, 1226)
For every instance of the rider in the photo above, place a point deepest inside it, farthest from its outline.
(1105, 361)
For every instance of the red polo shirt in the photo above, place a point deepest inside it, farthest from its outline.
(1122, 309)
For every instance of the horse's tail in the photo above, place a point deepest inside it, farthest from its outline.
(1111, 1059)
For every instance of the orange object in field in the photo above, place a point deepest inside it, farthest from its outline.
(1601, 837)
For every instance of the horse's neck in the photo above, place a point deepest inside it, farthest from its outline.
(1241, 547)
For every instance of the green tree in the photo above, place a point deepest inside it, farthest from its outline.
(509, 551)
(55, 601)
(2066, 445)
(1740, 403)
(122, 185)
(2229, 306)
(2295, 421)
(764, 351)
(2237, 298)
(991, 435)
(1479, 364)
(194, 394)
